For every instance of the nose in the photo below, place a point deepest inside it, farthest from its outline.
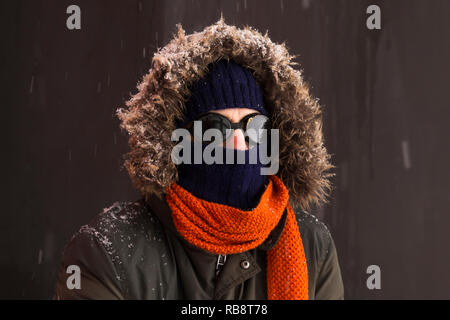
(236, 141)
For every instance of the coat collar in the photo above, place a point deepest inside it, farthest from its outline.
(232, 273)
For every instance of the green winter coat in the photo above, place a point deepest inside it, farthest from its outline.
(133, 251)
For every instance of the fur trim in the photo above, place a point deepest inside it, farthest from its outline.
(150, 117)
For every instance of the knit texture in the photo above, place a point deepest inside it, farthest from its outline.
(239, 185)
(226, 85)
(221, 229)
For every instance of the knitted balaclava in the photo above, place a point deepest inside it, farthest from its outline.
(226, 85)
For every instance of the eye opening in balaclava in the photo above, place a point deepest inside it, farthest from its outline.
(226, 85)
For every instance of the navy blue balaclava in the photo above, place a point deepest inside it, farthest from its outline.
(226, 85)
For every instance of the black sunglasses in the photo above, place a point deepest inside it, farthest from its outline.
(255, 121)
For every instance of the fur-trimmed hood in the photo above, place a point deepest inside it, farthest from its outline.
(150, 116)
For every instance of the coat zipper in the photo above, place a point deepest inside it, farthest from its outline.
(221, 258)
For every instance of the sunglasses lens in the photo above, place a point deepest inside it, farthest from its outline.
(218, 123)
(256, 126)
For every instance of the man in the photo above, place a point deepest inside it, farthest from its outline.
(221, 230)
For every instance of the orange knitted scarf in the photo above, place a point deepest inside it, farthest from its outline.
(221, 229)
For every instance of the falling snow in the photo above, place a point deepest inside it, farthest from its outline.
(31, 84)
(306, 4)
(40, 256)
(405, 153)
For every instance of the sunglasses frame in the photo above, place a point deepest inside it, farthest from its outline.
(242, 124)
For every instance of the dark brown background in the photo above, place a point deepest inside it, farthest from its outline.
(386, 111)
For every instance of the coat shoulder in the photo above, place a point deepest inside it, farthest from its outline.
(118, 242)
(125, 228)
(325, 280)
(123, 222)
(314, 232)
